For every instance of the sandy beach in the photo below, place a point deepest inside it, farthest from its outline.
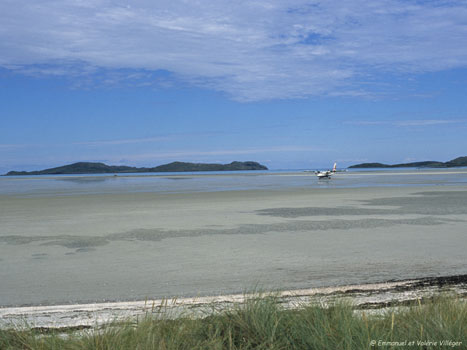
(82, 248)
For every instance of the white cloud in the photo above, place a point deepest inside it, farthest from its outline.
(252, 50)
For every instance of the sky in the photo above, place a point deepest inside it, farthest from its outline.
(291, 84)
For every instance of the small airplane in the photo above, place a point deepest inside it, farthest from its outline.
(326, 174)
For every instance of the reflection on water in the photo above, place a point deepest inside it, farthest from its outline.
(86, 179)
(222, 181)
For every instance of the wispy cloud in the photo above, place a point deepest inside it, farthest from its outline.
(13, 146)
(427, 122)
(162, 138)
(179, 154)
(406, 123)
(251, 50)
(123, 141)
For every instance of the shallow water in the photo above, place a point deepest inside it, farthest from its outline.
(69, 239)
(55, 185)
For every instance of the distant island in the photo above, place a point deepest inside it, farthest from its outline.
(458, 162)
(101, 168)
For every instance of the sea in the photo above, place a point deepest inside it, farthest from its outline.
(185, 182)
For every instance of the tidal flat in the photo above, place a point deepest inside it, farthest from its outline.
(64, 245)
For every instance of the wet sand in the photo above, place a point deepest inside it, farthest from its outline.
(82, 248)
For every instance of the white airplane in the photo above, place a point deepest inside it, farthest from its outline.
(326, 174)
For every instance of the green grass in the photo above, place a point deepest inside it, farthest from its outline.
(261, 323)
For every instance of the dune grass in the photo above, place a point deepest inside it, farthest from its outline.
(261, 323)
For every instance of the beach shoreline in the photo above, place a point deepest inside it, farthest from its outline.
(372, 296)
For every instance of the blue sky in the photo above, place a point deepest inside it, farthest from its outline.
(296, 84)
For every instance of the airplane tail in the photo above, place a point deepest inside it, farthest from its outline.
(334, 168)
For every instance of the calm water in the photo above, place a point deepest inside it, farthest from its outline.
(47, 185)
(77, 239)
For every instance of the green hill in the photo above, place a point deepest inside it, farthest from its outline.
(101, 168)
(458, 162)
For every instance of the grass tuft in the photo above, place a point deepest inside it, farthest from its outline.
(262, 323)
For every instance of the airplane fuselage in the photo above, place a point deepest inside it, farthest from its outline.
(326, 174)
